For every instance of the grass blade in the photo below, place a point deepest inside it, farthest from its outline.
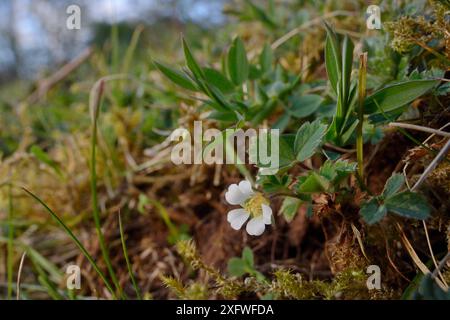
(127, 260)
(95, 101)
(75, 239)
(397, 95)
(52, 290)
(361, 98)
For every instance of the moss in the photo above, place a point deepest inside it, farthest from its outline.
(408, 31)
(226, 287)
(194, 291)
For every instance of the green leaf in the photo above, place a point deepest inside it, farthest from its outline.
(236, 267)
(308, 138)
(266, 58)
(305, 105)
(372, 212)
(393, 185)
(337, 170)
(287, 155)
(273, 183)
(254, 72)
(397, 95)
(176, 76)
(408, 204)
(349, 131)
(218, 80)
(217, 96)
(289, 208)
(238, 68)
(191, 63)
(247, 257)
(313, 183)
(347, 64)
(225, 116)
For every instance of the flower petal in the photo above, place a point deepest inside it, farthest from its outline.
(267, 214)
(234, 195)
(246, 188)
(237, 218)
(255, 226)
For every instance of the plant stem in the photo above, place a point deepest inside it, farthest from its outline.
(361, 98)
(127, 259)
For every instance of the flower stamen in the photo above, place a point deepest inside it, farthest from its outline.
(254, 204)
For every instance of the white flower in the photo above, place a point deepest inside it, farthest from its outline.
(253, 205)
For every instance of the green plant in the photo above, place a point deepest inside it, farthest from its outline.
(127, 260)
(391, 99)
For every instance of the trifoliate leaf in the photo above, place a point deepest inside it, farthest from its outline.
(335, 171)
(308, 138)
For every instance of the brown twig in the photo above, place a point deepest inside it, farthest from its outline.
(440, 156)
(419, 128)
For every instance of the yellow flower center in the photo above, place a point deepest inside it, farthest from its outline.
(254, 204)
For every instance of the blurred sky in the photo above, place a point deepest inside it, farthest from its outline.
(33, 33)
